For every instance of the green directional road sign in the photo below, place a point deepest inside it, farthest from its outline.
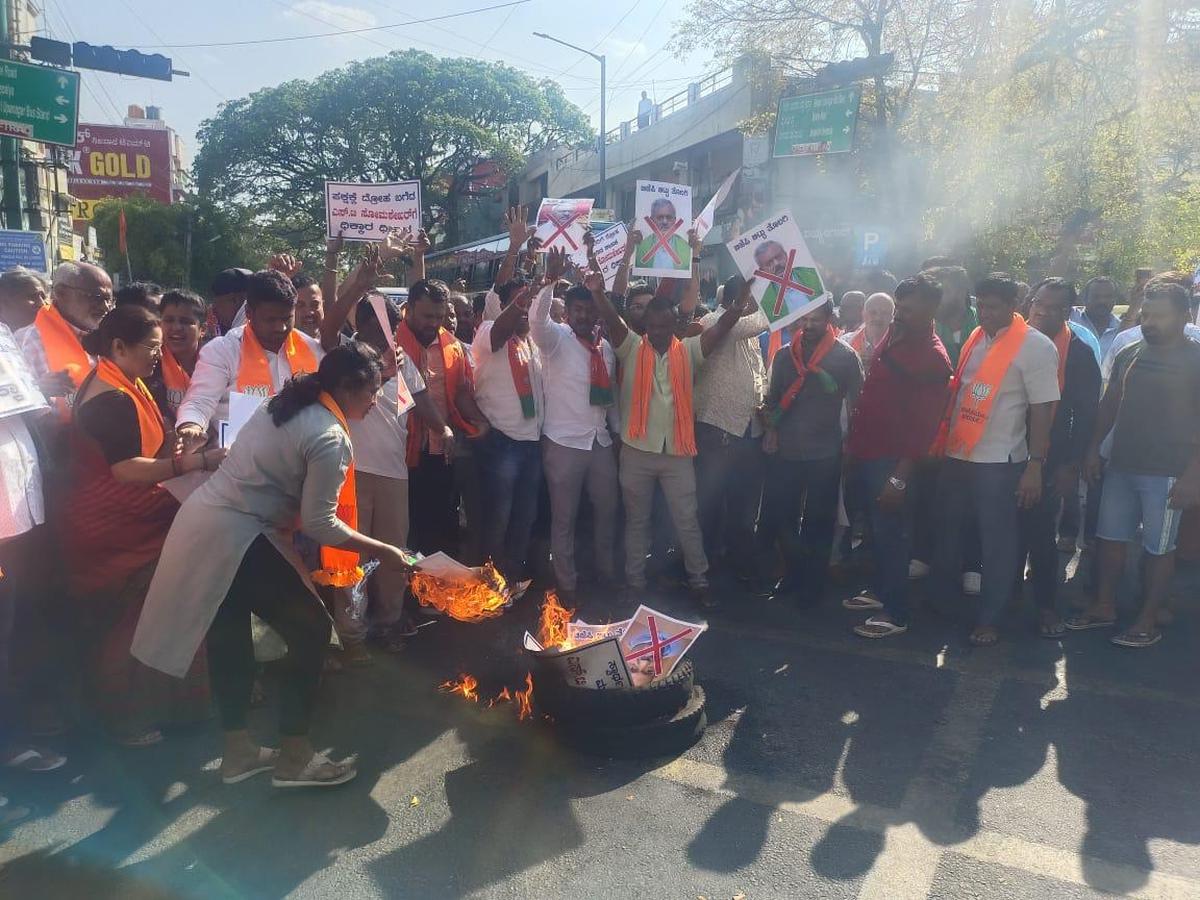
(817, 123)
(39, 103)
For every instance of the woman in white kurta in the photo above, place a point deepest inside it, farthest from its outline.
(229, 553)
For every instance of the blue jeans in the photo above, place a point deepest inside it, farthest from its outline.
(983, 495)
(510, 474)
(891, 536)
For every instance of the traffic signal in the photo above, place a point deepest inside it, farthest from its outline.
(122, 62)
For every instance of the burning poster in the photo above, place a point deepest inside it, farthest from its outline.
(463, 593)
(661, 211)
(561, 224)
(654, 643)
(598, 666)
(787, 284)
(580, 633)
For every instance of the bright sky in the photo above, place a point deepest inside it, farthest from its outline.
(631, 33)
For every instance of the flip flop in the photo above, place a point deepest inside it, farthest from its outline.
(144, 739)
(34, 760)
(879, 628)
(1086, 622)
(342, 772)
(1137, 639)
(861, 601)
(267, 757)
(1052, 630)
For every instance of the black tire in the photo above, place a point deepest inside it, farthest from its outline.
(661, 698)
(664, 737)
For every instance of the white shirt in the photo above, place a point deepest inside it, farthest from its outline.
(495, 392)
(571, 420)
(733, 382)
(1032, 378)
(217, 373)
(381, 439)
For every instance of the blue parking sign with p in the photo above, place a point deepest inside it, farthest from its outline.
(870, 247)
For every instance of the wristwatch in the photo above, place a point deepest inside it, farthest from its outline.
(898, 483)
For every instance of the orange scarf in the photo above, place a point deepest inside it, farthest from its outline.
(1063, 342)
(149, 419)
(175, 379)
(454, 365)
(679, 365)
(828, 339)
(63, 351)
(254, 371)
(961, 431)
(340, 568)
(774, 345)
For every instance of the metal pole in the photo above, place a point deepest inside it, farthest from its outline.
(10, 173)
(603, 138)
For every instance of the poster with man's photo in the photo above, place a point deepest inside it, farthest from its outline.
(562, 223)
(662, 213)
(787, 284)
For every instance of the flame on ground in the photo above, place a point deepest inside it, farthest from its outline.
(524, 699)
(552, 628)
(466, 685)
(467, 601)
(505, 696)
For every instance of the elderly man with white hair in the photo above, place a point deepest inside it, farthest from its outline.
(80, 295)
(877, 319)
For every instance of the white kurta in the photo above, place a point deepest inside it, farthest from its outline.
(274, 481)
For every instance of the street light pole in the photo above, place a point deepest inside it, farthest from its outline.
(603, 121)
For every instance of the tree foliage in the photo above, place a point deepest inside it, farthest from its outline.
(1053, 135)
(402, 116)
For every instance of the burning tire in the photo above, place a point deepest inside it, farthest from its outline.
(667, 736)
(660, 699)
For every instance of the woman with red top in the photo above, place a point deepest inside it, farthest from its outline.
(119, 517)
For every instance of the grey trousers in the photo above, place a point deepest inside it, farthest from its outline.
(677, 475)
(568, 471)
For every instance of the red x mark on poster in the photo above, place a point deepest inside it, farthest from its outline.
(561, 226)
(664, 240)
(785, 284)
(657, 645)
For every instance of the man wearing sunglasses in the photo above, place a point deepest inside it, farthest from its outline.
(80, 295)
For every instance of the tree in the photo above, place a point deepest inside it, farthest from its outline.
(157, 238)
(407, 115)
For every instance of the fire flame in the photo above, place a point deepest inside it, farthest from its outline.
(552, 629)
(505, 696)
(471, 601)
(466, 686)
(524, 699)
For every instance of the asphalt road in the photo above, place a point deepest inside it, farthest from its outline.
(832, 767)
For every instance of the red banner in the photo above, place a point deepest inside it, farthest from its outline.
(113, 161)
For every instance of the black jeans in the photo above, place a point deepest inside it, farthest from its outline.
(891, 543)
(793, 486)
(729, 474)
(432, 512)
(1038, 543)
(267, 585)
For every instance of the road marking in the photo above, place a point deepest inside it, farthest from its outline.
(905, 838)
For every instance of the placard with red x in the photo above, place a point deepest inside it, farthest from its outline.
(561, 224)
(659, 638)
(785, 284)
(662, 238)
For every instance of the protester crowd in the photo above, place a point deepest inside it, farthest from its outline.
(569, 431)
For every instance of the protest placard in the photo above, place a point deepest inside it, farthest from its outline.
(241, 407)
(404, 397)
(654, 643)
(581, 633)
(610, 251)
(661, 213)
(19, 392)
(561, 224)
(598, 666)
(370, 212)
(704, 221)
(787, 284)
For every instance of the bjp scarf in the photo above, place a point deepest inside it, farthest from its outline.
(679, 365)
(340, 568)
(803, 368)
(63, 350)
(254, 371)
(457, 372)
(149, 419)
(774, 345)
(961, 431)
(600, 391)
(1062, 341)
(518, 364)
(175, 379)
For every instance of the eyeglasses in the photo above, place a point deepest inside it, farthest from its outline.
(104, 297)
(155, 349)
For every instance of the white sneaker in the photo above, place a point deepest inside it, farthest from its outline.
(917, 569)
(972, 583)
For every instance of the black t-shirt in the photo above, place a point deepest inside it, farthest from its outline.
(110, 419)
(1158, 423)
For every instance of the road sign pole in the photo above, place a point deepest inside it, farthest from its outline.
(10, 171)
